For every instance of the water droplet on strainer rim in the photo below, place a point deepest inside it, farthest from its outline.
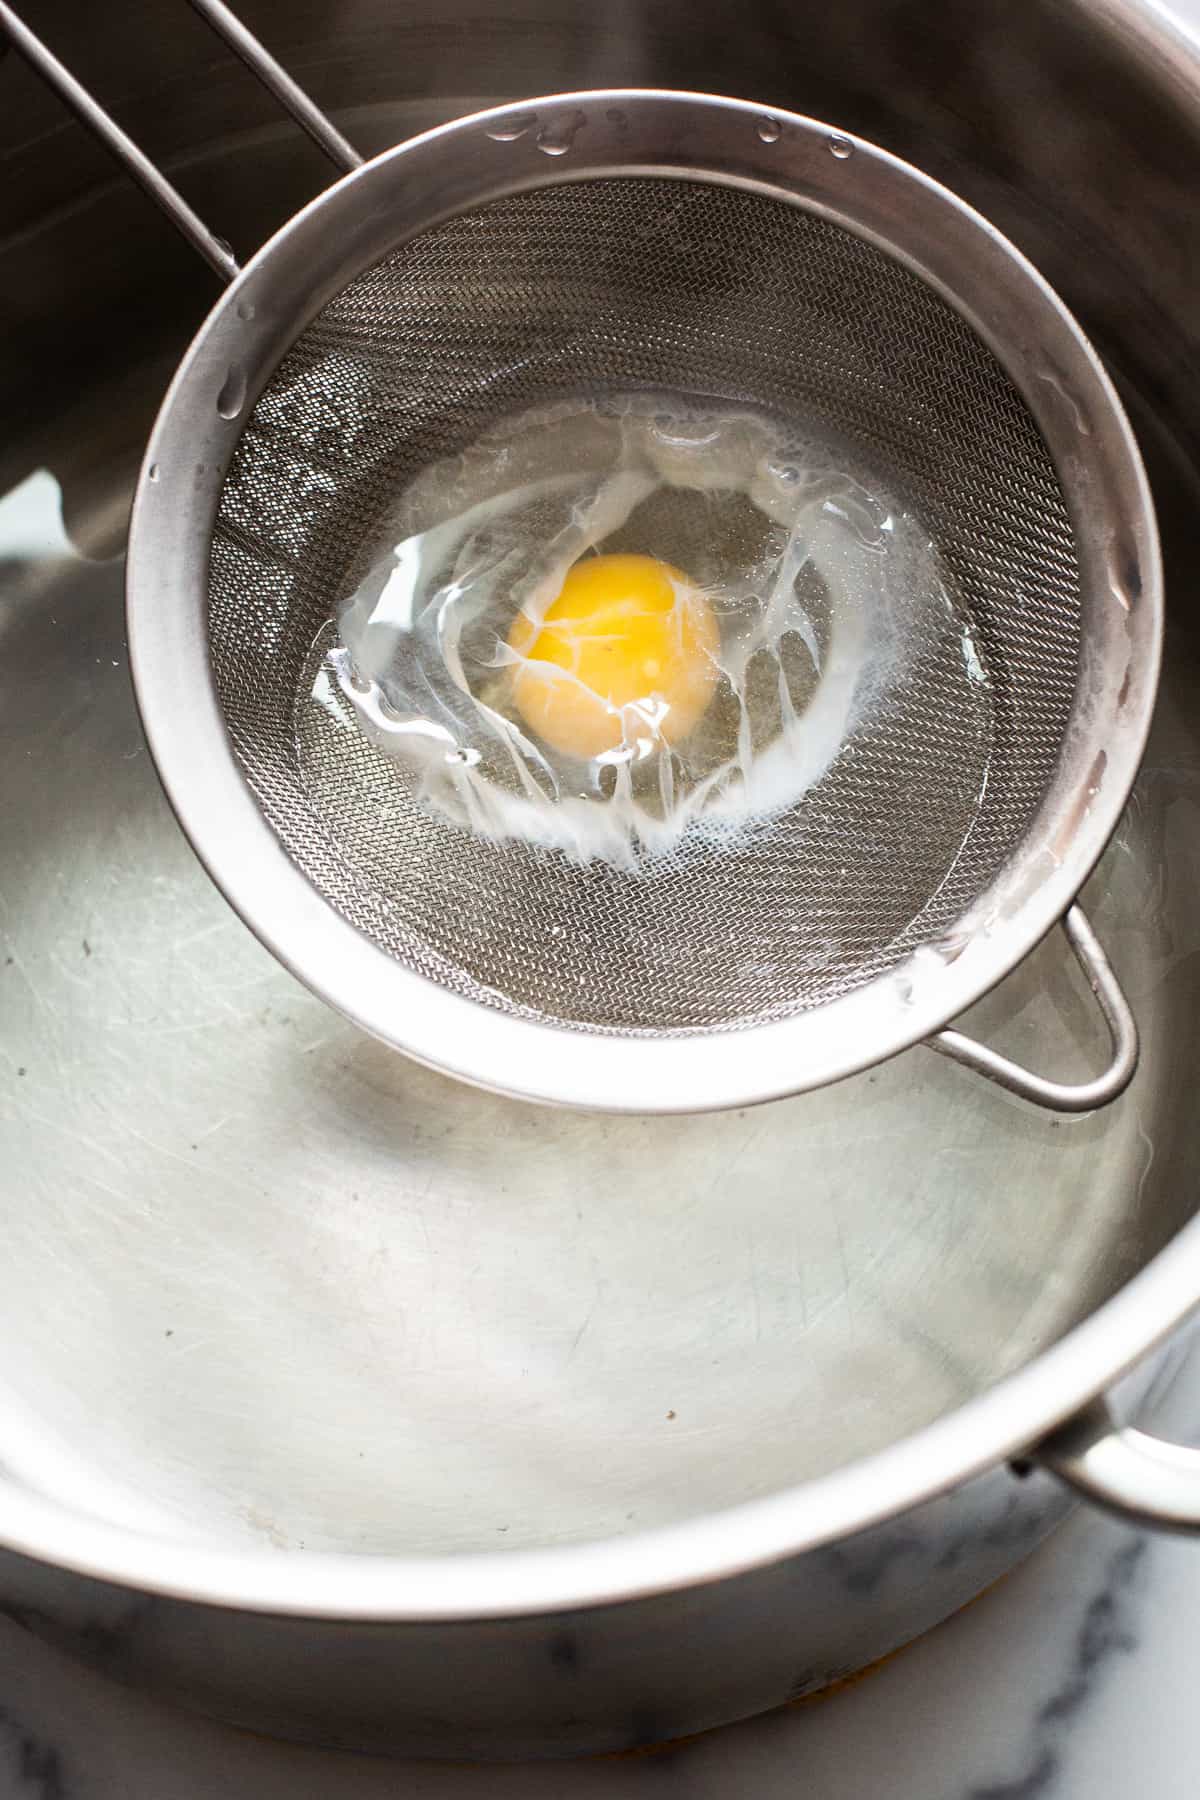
(1050, 375)
(232, 396)
(245, 309)
(152, 472)
(769, 130)
(512, 129)
(841, 146)
(1123, 568)
(557, 136)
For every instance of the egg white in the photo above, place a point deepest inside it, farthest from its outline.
(495, 530)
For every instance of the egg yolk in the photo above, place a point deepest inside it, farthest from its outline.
(626, 651)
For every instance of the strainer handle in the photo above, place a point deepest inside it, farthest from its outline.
(214, 250)
(1063, 1096)
(275, 78)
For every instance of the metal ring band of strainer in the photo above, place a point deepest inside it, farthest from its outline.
(605, 243)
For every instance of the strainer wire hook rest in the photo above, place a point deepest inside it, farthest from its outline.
(1059, 1096)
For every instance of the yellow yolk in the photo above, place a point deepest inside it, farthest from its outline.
(626, 632)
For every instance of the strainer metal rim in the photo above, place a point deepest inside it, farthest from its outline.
(468, 163)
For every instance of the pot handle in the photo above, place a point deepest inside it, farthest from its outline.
(1142, 1479)
(1063, 1096)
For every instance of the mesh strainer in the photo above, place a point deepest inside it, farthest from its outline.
(603, 243)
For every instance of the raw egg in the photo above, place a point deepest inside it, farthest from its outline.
(627, 655)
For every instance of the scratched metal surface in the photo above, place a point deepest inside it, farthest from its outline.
(263, 1279)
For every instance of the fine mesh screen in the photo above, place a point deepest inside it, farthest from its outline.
(610, 286)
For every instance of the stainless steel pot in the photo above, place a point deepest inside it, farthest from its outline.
(358, 1406)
